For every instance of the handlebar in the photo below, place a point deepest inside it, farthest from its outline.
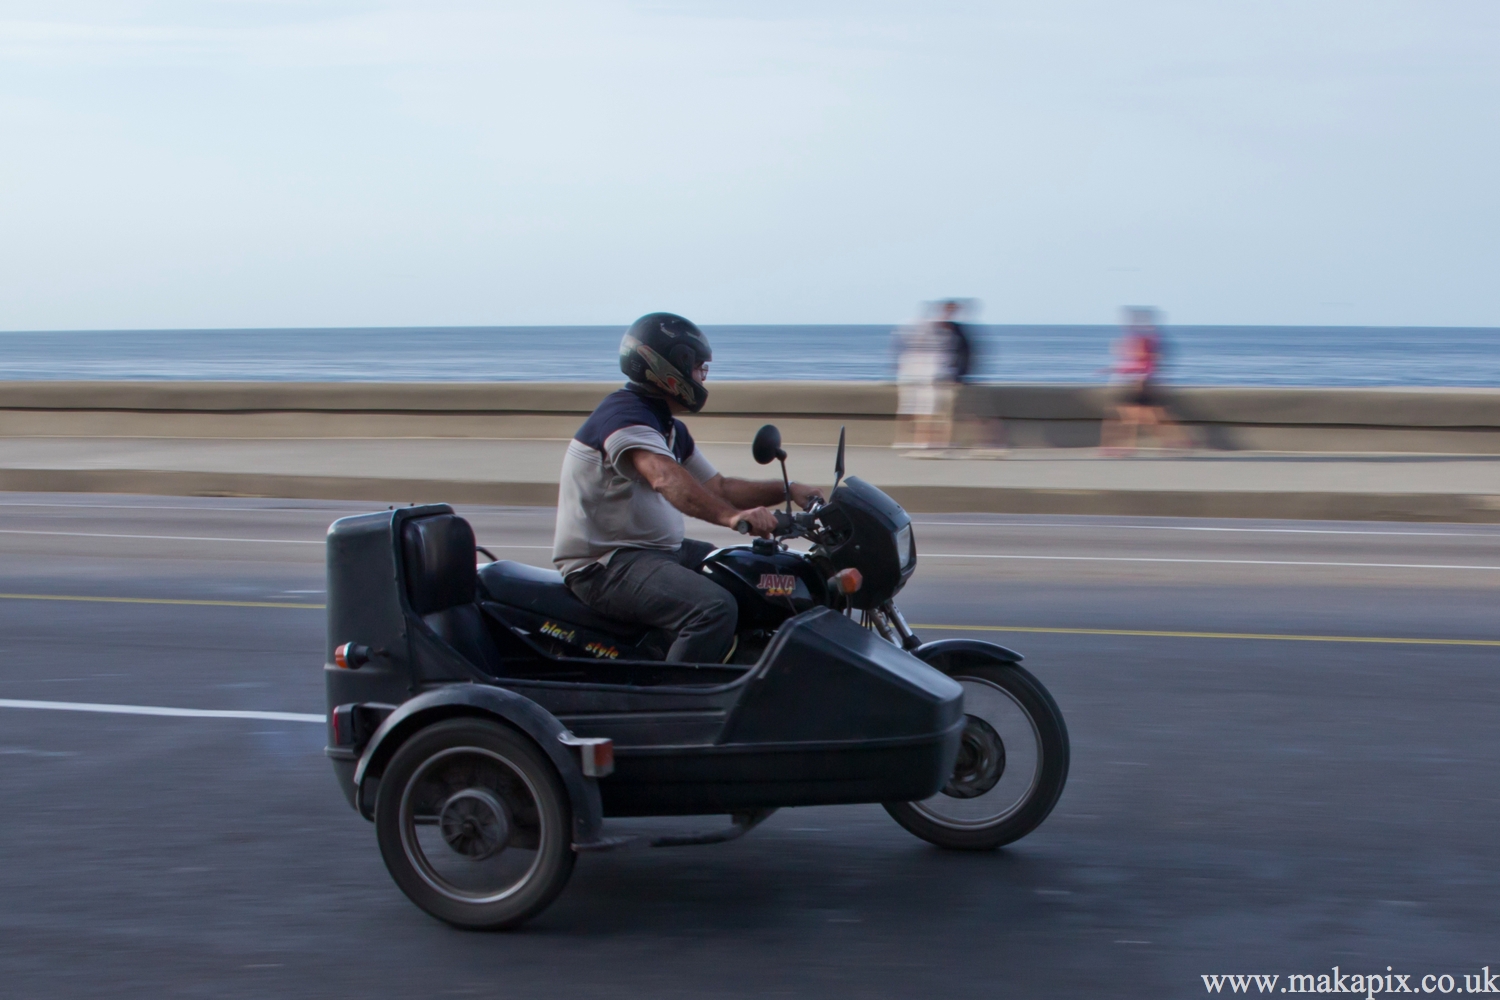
(786, 524)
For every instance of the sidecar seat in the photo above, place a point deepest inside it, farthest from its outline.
(438, 553)
(543, 592)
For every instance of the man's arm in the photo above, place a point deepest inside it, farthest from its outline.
(760, 492)
(682, 491)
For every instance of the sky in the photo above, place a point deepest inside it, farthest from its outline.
(281, 163)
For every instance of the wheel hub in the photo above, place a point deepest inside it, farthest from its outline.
(981, 761)
(475, 823)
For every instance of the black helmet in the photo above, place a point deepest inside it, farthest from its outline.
(660, 351)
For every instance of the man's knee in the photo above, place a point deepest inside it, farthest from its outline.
(706, 632)
(717, 610)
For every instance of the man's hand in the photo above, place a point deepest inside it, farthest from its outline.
(762, 521)
(803, 496)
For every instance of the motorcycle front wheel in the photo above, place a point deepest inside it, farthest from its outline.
(1011, 768)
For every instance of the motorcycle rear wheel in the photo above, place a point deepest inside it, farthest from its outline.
(1011, 766)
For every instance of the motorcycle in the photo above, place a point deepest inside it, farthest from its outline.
(487, 721)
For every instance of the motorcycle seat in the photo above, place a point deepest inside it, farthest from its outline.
(542, 592)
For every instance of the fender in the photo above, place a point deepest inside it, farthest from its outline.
(944, 652)
(454, 700)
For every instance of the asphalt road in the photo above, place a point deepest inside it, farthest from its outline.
(1236, 804)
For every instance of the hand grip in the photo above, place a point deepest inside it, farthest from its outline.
(784, 523)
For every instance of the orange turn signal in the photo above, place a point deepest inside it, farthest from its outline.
(846, 581)
(351, 656)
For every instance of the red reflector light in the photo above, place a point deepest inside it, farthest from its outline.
(341, 656)
(596, 754)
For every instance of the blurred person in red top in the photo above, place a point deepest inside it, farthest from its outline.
(1142, 404)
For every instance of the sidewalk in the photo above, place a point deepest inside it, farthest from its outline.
(1071, 481)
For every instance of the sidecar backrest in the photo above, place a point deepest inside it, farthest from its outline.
(438, 558)
(438, 553)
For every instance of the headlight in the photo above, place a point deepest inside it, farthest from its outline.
(905, 551)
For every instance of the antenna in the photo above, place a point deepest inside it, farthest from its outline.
(838, 462)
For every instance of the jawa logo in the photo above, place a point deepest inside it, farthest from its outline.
(602, 651)
(556, 631)
(777, 584)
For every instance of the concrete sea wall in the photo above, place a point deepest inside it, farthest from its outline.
(1449, 421)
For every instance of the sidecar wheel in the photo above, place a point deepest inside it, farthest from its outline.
(1011, 767)
(474, 824)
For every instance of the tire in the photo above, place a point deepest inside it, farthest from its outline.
(475, 824)
(1010, 770)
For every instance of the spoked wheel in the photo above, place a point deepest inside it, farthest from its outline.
(1011, 766)
(474, 824)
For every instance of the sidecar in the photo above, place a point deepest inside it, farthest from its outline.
(487, 761)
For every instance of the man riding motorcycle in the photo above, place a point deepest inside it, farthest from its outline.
(630, 474)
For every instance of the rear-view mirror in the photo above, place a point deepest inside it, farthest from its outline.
(766, 448)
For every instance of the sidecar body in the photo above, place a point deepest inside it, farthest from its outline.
(420, 635)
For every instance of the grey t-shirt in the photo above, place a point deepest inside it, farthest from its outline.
(603, 505)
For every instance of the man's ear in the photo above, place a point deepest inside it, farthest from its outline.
(683, 358)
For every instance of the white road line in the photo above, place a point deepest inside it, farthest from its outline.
(186, 713)
(1216, 562)
(526, 511)
(1186, 527)
(209, 538)
(929, 555)
(137, 506)
(162, 538)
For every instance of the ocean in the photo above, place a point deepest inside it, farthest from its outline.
(1197, 355)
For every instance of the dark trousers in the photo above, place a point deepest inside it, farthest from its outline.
(664, 589)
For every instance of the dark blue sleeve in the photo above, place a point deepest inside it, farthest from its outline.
(682, 441)
(625, 409)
